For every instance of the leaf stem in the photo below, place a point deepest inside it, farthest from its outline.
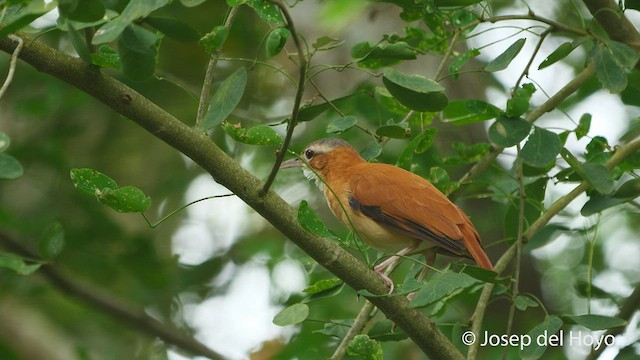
(153, 226)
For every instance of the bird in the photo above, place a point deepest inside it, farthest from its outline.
(391, 209)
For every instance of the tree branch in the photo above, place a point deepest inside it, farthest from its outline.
(245, 185)
(133, 315)
(483, 164)
(302, 66)
(619, 28)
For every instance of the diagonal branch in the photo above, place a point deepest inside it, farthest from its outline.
(128, 313)
(245, 185)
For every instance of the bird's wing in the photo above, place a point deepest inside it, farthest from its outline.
(408, 204)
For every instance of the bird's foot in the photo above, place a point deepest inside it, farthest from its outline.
(387, 280)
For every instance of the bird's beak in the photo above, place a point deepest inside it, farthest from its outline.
(292, 163)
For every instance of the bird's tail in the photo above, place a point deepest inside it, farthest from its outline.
(471, 240)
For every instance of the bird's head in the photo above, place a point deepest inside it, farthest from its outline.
(322, 155)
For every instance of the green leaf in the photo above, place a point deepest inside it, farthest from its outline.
(631, 94)
(533, 207)
(372, 150)
(134, 10)
(5, 141)
(276, 41)
(441, 285)
(613, 60)
(461, 60)
(324, 43)
(419, 144)
(310, 221)
(16, 264)
(523, 302)
(586, 290)
(79, 44)
(127, 199)
(292, 315)
(226, 98)
(215, 39)
(396, 131)
(341, 124)
(507, 132)
(542, 335)
(174, 28)
(267, 11)
(91, 181)
(24, 17)
(310, 112)
(81, 10)
(137, 47)
(414, 91)
(558, 54)
(106, 57)
(595, 322)
(52, 241)
(191, 3)
(542, 148)
(455, 3)
(260, 135)
(462, 112)
(519, 102)
(365, 348)
(10, 168)
(598, 176)
(598, 202)
(322, 285)
(583, 126)
(503, 60)
(364, 52)
(336, 328)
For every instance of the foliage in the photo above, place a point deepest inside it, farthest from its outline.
(393, 107)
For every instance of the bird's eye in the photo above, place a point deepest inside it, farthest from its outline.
(309, 153)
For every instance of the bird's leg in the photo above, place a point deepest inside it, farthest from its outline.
(430, 258)
(380, 268)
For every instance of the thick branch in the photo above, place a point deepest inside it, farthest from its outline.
(619, 28)
(129, 313)
(230, 174)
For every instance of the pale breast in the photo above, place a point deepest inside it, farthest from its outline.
(372, 233)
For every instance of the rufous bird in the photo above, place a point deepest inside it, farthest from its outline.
(391, 209)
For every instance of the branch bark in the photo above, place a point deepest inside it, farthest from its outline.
(133, 315)
(230, 174)
(619, 28)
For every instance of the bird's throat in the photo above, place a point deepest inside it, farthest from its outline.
(309, 174)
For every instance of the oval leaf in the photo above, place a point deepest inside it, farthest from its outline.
(506, 132)
(371, 151)
(174, 28)
(5, 141)
(52, 241)
(595, 322)
(17, 264)
(558, 54)
(503, 60)
(341, 124)
(292, 315)
(127, 199)
(414, 91)
(310, 221)
(462, 112)
(215, 39)
(546, 330)
(394, 131)
(542, 148)
(10, 168)
(91, 181)
(276, 41)
(226, 98)
(137, 48)
(365, 348)
(440, 286)
(134, 10)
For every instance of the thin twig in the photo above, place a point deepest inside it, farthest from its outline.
(522, 196)
(205, 98)
(525, 72)
(621, 153)
(12, 63)
(104, 301)
(553, 102)
(446, 56)
(298, 99)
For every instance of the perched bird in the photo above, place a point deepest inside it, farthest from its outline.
(391, 209)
